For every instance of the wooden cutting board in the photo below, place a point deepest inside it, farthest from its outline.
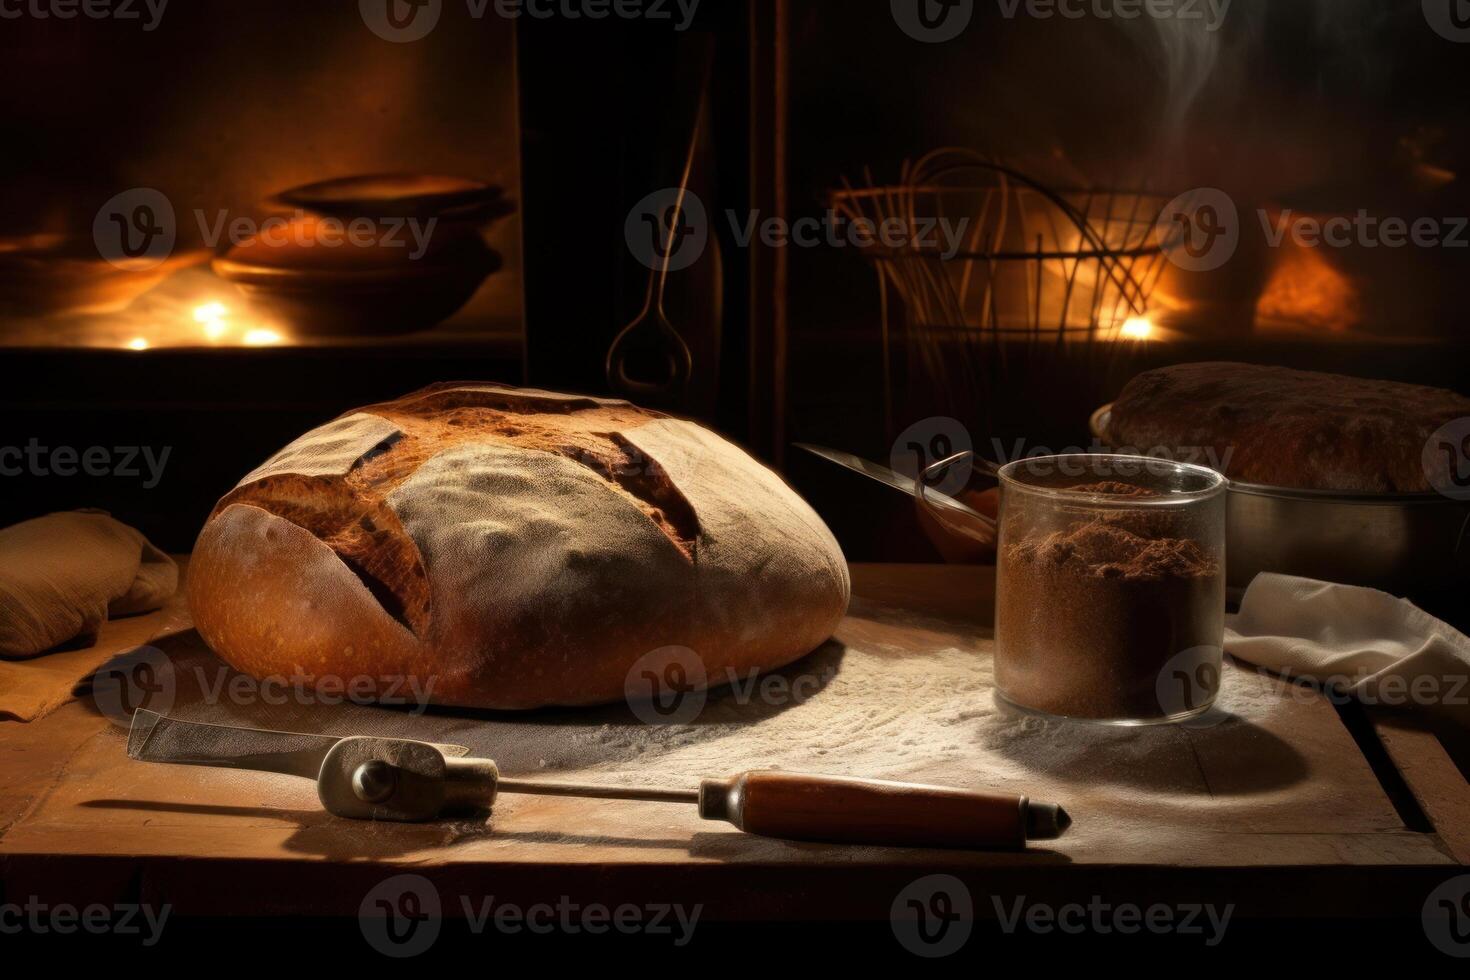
(1277, 786)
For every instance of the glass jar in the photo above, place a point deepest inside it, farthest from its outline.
(1110, 589)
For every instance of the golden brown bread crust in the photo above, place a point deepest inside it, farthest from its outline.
(1286, 428)
(507, 548)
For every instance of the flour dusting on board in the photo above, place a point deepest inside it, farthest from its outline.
(896, 695)
(876, 709)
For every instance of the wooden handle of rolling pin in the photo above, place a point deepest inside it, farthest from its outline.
(840, 810)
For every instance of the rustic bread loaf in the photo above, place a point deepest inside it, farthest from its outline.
(1285, 428)
(512, 548)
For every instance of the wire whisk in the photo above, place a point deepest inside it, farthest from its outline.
(977, 252)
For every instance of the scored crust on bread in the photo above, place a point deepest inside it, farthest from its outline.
(513, 547)
(1280, 427)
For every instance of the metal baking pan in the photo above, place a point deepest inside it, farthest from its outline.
(1411, 544)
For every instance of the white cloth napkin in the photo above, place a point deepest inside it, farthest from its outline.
(1379, 649)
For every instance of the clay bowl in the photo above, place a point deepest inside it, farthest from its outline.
(45, 275)
(381, 286)
(382, 196)
(319, 289)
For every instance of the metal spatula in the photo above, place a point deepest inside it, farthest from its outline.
(370, 778)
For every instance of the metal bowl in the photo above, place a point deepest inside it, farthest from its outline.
(1412, 544)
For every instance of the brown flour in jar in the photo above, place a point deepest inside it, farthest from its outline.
(1091, 616)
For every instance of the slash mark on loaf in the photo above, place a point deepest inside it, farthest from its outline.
(351, 515)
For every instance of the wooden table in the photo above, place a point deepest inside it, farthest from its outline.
(1295, 808)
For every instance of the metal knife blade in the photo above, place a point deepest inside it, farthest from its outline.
(156, 738)
(888, 477)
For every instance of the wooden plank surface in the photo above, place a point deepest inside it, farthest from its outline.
(1274, 783)
(1439, 787)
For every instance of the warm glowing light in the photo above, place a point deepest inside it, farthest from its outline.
(1307, 291)
(138, 343)
(1138, 328)
(211, 311)
(212, 317)
(262, 338)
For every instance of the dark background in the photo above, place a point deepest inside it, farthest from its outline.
(1317, 105)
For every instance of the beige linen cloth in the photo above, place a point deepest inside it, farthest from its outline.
(62, 577)
(1379, 649)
